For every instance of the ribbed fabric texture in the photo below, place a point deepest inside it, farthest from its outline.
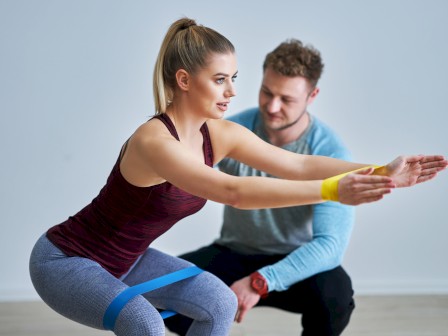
(81, 290)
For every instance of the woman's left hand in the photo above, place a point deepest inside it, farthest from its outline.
(407, 171)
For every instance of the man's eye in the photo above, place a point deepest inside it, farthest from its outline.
(267, 93)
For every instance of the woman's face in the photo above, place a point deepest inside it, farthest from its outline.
(211, 88)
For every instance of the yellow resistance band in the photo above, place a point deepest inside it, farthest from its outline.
(330, 185)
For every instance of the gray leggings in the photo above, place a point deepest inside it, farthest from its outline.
(81, 290)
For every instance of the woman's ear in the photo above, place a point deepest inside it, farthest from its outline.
(182, 79)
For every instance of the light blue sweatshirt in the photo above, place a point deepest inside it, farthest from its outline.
(314, 238)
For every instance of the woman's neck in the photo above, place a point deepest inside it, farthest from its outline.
(187, 124)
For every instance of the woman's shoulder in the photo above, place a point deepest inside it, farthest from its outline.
(221, 125)
(152, 128)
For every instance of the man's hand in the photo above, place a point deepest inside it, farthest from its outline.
(407, 171)
(247, 297)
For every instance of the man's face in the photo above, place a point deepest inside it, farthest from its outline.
(283, 100)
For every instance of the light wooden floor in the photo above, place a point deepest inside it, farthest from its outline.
(373, 316)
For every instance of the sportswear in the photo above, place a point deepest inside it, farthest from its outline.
(314, 237)
(123, 220)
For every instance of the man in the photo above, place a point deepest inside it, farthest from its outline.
(287, 258)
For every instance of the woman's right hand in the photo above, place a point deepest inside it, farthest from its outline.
(362, 187)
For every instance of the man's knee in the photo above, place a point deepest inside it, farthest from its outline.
(202, 257)
(332, 303)
(334, 289)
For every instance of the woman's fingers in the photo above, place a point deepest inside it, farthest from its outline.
(370, 199)
(369, 181)
(373, 195)
(433, 158)
(363, 187)
(434, 165)
(355, 189)
(424, 178)
(430, 166)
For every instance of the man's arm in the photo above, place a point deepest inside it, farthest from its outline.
(332, 227)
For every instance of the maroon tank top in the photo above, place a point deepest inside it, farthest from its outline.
(123, 220)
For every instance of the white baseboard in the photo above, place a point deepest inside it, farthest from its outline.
(24, 294)
(401, 287)
(362, 287)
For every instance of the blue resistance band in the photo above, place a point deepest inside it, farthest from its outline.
(120, 301)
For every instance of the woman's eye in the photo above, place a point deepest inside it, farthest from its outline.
(220, 80)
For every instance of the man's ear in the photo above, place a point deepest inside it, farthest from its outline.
(313, 94)
(183, 79)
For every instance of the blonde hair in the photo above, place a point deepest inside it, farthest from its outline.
(187, 46)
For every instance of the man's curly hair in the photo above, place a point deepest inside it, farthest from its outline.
(291, 58)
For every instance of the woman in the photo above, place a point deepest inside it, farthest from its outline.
(164, 173)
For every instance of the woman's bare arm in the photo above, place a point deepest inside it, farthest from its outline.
(239, 143)
(154, 157)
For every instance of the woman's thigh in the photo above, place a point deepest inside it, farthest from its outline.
(198, 297)
(81, 290)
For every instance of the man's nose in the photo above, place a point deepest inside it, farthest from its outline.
(274, 105)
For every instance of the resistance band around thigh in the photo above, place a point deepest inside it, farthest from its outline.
(120, 301)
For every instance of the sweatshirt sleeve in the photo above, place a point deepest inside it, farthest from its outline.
(332, 227)
(332, 224)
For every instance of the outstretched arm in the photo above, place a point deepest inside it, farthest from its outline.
(404, 171)
(237, 142)
(154, 156)
(173, 162)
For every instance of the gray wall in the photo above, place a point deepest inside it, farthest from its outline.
(75, 81)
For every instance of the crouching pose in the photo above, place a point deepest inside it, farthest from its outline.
(164, 172)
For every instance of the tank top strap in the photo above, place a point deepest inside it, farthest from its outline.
(168, 123)
(207, 147)
(208, 150)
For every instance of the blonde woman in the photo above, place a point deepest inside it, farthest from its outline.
(164, 173)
